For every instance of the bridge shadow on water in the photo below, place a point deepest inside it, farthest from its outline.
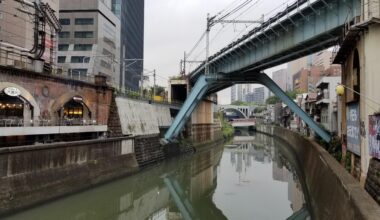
(252, 177)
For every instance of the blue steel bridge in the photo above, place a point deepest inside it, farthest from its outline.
(303, 28)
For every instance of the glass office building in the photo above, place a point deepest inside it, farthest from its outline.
(131, 14)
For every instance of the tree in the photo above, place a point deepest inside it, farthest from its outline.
(274, 99)
(241, 103)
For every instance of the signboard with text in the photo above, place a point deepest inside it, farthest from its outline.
(353, 128)
(374, 136)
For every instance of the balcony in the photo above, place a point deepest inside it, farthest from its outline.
(17, 127)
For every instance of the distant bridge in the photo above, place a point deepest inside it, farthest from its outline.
(243, 111)
(303, 28)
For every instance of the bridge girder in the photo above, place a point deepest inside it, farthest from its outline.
(211, 82)
(289, 35)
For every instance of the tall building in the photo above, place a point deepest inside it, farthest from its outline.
(239, 92)
(89, 42)
(258, 96)
(27, 42)
(283, 79)
(131, 13)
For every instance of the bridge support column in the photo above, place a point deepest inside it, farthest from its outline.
(270, 84)
(197, 93)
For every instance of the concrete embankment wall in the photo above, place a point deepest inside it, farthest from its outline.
(141, 118)
(37, 173)
(334, 193)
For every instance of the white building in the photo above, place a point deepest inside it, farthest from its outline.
(89, 43)
(327, 102)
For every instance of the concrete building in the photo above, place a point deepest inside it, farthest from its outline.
(359, 55)
(131, 14)
(89, 43)
(283, 79)
(258, 96)
(299, 64)
(239, 92)
(327, 102)
(306, 79)
(28, 34)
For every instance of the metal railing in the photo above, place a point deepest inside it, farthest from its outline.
(19, 122)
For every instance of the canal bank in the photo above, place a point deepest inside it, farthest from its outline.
(247, 179)
(334, 193)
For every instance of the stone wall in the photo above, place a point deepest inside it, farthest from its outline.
(372, 184)
(33, 174)
(141, 118)
(148, 150)
(334, 193)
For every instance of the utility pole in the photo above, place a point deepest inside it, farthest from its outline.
(208, 42)
(142, 84)
(211, 22)
(154, 83)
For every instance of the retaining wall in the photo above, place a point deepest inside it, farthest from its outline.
(141, 118)
(34, 174)
(334, 193)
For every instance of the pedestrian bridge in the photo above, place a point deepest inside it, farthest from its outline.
(303, 28)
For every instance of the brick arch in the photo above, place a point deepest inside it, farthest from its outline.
(63, 99)
(25, 94)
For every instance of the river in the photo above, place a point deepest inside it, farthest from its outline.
(251, 177)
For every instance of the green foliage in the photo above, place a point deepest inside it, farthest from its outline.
(274, 99)
(241, 103)
(259, 109)
(227, 129)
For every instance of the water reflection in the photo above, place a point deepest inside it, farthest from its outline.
(248, 179)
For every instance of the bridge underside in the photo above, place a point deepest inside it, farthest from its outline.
(212, 83)
(303, 28)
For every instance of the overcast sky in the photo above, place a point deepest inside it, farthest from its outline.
(174, 26)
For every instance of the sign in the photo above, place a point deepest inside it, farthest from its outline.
(12, 91)
(77, 98)
(374, 136)
(353, 128)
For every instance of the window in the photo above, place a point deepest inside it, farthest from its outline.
(105, 64)
(77, 72)
(61, 59)
(64, 34)
(84, 21)
(80, 59)
(83, 47)
(64, 21)
(109, 42)
(63, 47)
(84, 34)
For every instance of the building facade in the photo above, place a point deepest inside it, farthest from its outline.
(258, 96)
(283, 79)
(89, 42)
(326, 102)
(28, 34)
(131, 13)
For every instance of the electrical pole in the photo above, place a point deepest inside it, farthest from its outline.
(142, 84)
(154, 83)
(208, 42)
(211, 22)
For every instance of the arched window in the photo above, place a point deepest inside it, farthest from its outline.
(11, 106)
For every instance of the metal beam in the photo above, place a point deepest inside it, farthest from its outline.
(270, 84)
(196, 94)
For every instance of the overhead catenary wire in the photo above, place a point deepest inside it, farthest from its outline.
(248, 5)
